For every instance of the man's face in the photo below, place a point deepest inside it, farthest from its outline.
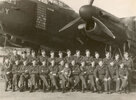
(17, 62)
(52, 63)
(126, 55)
(60, 55)
(87, 53)
(24, 63)
(43, 63)
(121, 65)
(52, 54)
(66, 65)
(117, 57)
(23, 55)
(43, 53)
(73, 62)
(28, 53)
(93, 64)
(62, 63)
(33, 53)
(34, 63)
(96, 55)
(78, 53)
(112, 63)
(101, 63)
(6, 61)
(107, 55)
(15, 52)
(83, 64)
(69, 53)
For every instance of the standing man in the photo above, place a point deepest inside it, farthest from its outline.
(128, 62)
(14, 57)
(87, 58)
(52, 57)
(97, 58)
(78, 58)
(69, 57)
(43, 57)
(107, 59)
(117, 60)
(60, 58)
(33, 57)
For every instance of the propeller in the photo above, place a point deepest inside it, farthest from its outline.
(104, 28)
(87, 13)
(76, 20)
(91, 2)
(70, 24)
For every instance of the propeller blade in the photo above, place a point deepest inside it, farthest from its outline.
(104, 28)
(91, 2)
(70, 24)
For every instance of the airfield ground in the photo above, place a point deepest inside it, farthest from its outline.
(39, 95)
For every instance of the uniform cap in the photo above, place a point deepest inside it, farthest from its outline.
(87, 50)
(77, 51)
(96, 52)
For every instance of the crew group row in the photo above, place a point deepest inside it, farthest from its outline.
(73, 72)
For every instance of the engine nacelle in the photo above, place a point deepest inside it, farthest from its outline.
(94, 32)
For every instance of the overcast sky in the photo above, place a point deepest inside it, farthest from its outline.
(120, 8)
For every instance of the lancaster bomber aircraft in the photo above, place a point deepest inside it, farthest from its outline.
(53, 24)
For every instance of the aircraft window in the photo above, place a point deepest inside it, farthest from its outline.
(56, 2)
(60, 4)
(12, 1)
(44, 1)
(51, 1)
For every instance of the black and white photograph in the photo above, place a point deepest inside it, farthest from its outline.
(67, 49)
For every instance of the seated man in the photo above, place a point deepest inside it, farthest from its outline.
(16, 75)
(53, 75)
(61, 76)
(113, 78)
(7, 69)
(67, 75)
(24, 70)
(83, 75)
(33, 71)
(123, 74)
(101, 73)
(75, 74)
(91, 77)
(43, 72)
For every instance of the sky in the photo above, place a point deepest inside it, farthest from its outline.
(119, 8)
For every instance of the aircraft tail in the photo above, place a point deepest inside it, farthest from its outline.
(130, 22)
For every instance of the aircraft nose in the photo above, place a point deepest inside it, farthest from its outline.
(86, 12)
